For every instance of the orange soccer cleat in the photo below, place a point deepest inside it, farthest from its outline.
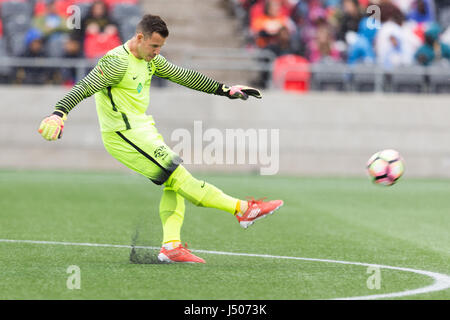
(178, 254)
(257, 209)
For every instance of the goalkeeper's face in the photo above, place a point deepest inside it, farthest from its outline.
(149, 47)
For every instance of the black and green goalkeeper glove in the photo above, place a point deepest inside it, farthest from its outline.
(238, 92)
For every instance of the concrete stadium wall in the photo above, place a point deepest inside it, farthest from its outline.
(319, 134)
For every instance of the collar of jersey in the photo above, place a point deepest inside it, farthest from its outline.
(127, 47)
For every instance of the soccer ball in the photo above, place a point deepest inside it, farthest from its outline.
(385, 167)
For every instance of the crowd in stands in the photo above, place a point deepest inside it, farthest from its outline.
(384, 33)
(56, 28)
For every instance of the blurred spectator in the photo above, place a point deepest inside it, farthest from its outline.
(111, 3)
(433, 50)
(441, 4)
(51, 23)
(404, 5)
(72, 50)
(309, 21)
(394, 55)
(34, 49)
(361, 45)
(390, 12)
(99, 15)
(323, 45)
(331, 3)
(266, 25)
(97, 43)
(350, 17)
(40, 7)
(258, 8)
(360, 50)
(422, 11)
(100, 33)
(363, 4)
(284, 43)
(395, 42)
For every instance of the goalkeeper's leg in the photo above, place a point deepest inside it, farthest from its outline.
(204, 194)
(171, 211)
(200, 192)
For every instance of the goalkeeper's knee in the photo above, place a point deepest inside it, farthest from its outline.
(182, 182)
(199, 192)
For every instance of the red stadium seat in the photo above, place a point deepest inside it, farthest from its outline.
(291, 73)
(111, 3)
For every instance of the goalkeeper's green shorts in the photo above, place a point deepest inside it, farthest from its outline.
(144, 151)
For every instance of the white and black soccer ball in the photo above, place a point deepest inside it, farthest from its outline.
(385, 167)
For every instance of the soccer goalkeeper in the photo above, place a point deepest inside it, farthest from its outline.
(121, 84)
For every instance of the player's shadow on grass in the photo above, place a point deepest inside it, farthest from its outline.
(143, 248)
(144, 256)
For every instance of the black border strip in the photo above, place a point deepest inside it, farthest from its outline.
(124, 116)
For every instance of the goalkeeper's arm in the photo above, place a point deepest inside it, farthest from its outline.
(108, 71)
(197, 81)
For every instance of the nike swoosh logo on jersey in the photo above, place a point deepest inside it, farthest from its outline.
(134, 78)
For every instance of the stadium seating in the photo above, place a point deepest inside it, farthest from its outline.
(291, 72)
(5, 71)
(54, 47)
(16, 17)
(364, 77)
(84, 8)
(326, 76)
(10, 9)
(439, 78)
(127, 27)
(124, 11)
(408, 79)
(444, 18)
(330, 75)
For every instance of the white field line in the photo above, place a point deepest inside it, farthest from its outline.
(441, 281)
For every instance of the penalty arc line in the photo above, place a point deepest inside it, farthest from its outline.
(441, 281)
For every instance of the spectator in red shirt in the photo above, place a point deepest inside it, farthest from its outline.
(266, 26)
(97, 43)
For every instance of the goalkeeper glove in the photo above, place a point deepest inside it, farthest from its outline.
(51, 128)
(238, 92)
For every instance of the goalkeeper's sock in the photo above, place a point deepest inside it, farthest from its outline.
(200, 193)
(171, 212)
(172, 244)
(241, 206)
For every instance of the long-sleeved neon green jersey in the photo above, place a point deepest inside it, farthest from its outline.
(121, 84)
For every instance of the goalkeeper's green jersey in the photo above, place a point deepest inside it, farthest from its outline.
(121, 84)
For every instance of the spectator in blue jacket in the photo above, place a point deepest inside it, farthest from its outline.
(433, 49)
(360, 48)
(422, 11)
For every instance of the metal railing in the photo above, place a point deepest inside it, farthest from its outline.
(235, 59)
(343, 77)
(81, 65)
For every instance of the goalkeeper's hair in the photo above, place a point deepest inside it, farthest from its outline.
(150, 23)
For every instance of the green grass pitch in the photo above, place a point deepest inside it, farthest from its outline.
(347, 219)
